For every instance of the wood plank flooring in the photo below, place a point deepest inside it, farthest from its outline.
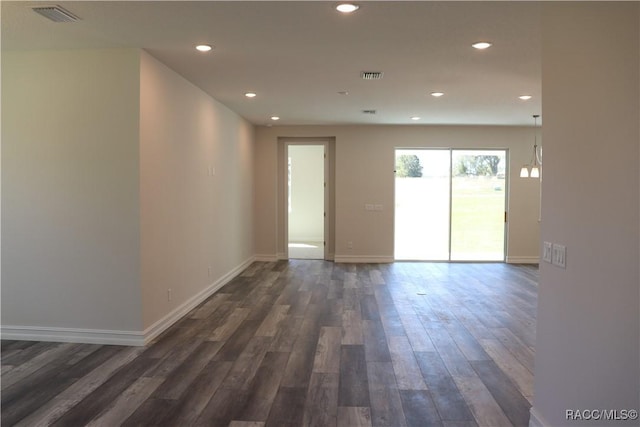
(305, 343)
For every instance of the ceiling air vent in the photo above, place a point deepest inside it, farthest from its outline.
(55, 13)
(368, 111)
(371, 75)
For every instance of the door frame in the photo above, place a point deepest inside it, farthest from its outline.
(283, 184)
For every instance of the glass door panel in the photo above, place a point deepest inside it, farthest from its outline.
(422, 201)
(478, 189)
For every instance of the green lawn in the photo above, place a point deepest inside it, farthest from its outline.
(477, 218)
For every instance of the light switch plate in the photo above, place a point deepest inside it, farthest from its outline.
(547, 251)
(559, 255)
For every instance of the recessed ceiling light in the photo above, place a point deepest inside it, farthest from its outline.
(415, 118)
(525, 97)
(437, 94)
(250, 95)
(275, 118)
(347, 7)
(204, 47)
(481, 45)
(343, 92)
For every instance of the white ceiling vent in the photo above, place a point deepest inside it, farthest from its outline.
(55, 13)
(371, 75)
(368, 111)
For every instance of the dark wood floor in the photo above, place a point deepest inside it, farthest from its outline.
(305, 343)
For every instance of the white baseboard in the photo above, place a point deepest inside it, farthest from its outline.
(281, 256)
(163, 324)
(108, 337)
(523, 260)
(535, 420)
(87, 336)
(363, 259)
(265, 258)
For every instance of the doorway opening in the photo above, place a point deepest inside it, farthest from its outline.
(306, 201)
(450, 204)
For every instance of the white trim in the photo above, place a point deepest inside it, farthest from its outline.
(87, 336)
(163, 324)
(109, 337)
(363, 259)
(265, 258)
(282, 257)
(536, 420)
(523, 260)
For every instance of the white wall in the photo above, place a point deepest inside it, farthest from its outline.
(192, 218)
(109, 195)
(306, 219)
(587, 350)
(70, 199)
(364, 163)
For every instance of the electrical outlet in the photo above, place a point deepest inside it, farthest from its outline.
(559, 255)
(349, 244)
(547, 251)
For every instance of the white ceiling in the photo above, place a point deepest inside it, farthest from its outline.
(297, 56)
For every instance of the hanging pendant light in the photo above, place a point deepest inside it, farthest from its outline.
(535, 172)
(532, 169)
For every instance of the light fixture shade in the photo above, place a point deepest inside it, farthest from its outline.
(524, 172)
(535, 172)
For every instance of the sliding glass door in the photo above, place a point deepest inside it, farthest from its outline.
(450, 205)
